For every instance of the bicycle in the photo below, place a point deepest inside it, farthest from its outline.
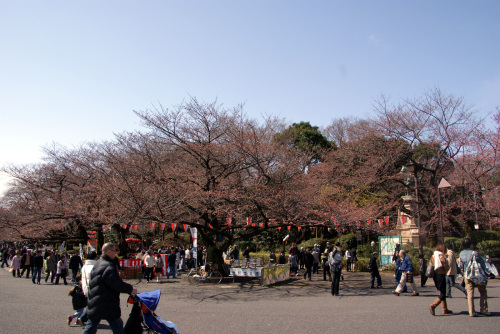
(198, 275)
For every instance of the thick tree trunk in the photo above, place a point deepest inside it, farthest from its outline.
(214, 250)
(100, 240)
(122, 244)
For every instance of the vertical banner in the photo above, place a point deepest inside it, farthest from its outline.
(164, 269)
(194, 237)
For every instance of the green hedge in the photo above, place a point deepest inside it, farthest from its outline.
(362, 264)
(483, 235)
(366, 250)
(348, 241)
(489, 247)
(311, 242)
(456, 244)
(487, 241)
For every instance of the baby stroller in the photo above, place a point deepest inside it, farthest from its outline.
(143, 316)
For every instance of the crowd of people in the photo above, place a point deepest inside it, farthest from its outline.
(96, 283)
(26, 260)
(443, 267)
(445, 264)
(177, 259)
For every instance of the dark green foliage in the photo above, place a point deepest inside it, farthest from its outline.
(479, 236)
(242, 245)
(456, 243)
(366, 250)
(362, 264)
(306, 138)
(311, 242)
(348, 241)
(489, 247)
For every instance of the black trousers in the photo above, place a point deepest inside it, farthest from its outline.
(423, 279)
(149, 273)
(372, 280)
(336, 282)
(27, 269)
(440, 281)
(308, 272)
(326, 271)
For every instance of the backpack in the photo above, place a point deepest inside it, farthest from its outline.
(335, 261)
(474, 272)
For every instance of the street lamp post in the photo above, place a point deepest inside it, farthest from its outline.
(442, 184)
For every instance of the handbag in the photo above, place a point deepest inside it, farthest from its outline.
(409, 277)
(474, 272)
(11, 270)
(430, 270)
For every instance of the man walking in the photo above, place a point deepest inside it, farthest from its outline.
(308, 262)
(316, 259)
(466, 257)
(37, 267)
(104, 293)
(171, 261)
(75, 263)
(406, 268)
(51, 263)
(373, 268)
(326, 265)
(26, 263)
(5, 256)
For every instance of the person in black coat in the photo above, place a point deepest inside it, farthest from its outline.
(27, 263)
(281, 259)
(75, 263)
(235, 253)
(37, 267)
(104, 293)
(308, 263)
(373, 268)
(246, 253)
(423, 268)
(79, 301)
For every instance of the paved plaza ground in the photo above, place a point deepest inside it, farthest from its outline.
(296, 306)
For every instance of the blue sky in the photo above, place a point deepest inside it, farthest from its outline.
(74, 71)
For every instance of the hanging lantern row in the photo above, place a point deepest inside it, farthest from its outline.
(380, 222)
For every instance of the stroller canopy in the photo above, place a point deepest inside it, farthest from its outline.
(150, 299)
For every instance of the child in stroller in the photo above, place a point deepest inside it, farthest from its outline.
(143, 316)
